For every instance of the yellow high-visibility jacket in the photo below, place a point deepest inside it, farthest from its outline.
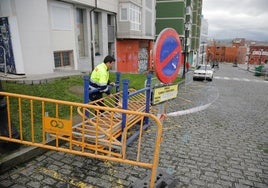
(100, 77)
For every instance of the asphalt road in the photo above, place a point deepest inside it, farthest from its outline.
(220, 141)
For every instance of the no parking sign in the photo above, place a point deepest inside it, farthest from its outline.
(167, 55)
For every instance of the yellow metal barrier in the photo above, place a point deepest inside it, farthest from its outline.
(86, 129)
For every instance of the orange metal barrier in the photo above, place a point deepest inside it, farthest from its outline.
(86, 129)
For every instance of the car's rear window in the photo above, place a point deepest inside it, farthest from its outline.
(203, 68)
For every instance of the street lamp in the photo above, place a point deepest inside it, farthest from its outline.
(203, 50)
(260, 57)
(248, 61)
(186, 32)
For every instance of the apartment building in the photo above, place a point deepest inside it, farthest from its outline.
(43, 36)
(135, 35)
(258, 54)
(185, 17)
(239, 51)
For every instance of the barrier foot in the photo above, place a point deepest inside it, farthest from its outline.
(136, 134)
(162, 180)
(8, 146)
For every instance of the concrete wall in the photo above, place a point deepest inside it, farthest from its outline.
(108, 5)
(34, 34)
(134, 56)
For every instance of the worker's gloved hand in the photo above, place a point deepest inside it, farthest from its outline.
(112, 84)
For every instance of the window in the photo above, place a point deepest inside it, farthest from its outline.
(111, 28)
(60, 17)
(97, 33)
(110, 19)
(80, 23)
(132, 13)
(135, 17)
(111, 34)
(63, 58)
(124, 16)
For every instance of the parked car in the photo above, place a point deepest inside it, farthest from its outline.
(203, 72)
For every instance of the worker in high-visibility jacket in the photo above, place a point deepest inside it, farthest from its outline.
(99, 78)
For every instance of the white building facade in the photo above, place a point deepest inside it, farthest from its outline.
(43, 36)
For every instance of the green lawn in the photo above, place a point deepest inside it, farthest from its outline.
(57, 89)
(60, 88)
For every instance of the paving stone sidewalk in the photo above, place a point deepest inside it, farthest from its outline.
(224, 145)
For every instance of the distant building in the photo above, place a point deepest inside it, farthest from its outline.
(239, 51)
(228, 51)
(242, 54)
(239, 42)
(258, 54)
(230, 54)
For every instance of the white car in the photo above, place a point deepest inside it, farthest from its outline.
(203, 72)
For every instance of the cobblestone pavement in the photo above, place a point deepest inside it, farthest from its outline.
(224, 145)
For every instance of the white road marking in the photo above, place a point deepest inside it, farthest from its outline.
(239, 79)
(245, 79)
(194, 109)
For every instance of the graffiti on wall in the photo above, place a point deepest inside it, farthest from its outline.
(143, 60)
(7, 62)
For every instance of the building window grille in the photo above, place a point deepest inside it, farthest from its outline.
(63, 58)
(135, 17)
(124, 16)
(132, 13)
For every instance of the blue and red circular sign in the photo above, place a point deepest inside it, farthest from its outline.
(167, 55)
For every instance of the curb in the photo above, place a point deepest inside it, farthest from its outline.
(22, 155)
(19, 156)
(249, 70)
